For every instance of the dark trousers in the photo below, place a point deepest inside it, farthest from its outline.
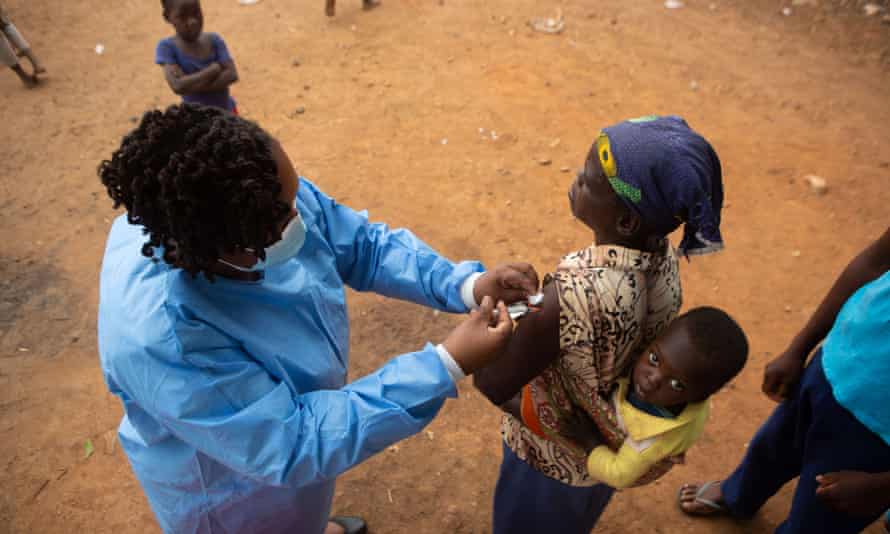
(807, 435)
(528, 502)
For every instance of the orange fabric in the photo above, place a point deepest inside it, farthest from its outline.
(529, 416)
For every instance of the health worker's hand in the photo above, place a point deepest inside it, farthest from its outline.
(854, 492)
(509, 282)
(481, 338)
(782, 374)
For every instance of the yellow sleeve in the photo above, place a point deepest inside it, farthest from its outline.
(621, 469)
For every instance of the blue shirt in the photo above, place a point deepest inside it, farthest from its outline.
(237, 415)
(647, 407)
(168, 53)
(856, 356)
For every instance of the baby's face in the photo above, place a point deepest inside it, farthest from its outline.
(663, 375)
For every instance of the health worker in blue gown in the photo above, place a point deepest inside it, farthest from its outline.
(223, 327)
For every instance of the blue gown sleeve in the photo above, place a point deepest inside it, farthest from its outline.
(226, 405)
(395, 263)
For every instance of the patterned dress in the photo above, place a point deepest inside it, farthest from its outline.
(613, 302)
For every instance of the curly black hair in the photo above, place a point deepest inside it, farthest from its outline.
(165, 6)
(201, 181)
(721, 347)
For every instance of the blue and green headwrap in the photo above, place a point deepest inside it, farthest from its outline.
(669, 175)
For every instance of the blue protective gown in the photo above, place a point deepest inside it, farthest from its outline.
(237, 416)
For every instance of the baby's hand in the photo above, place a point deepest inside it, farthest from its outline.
(853, 492)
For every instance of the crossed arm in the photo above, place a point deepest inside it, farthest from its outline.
(214, 77)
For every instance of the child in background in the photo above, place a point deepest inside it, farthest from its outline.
(13, 46)
(832, 429)
(663, 404)
(642, 179)
(197, 65)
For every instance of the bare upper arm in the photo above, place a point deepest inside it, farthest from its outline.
(533, 347)
(881, 252)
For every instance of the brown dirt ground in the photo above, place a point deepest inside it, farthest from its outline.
(780, 97)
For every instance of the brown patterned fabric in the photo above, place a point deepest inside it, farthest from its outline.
(613, 302)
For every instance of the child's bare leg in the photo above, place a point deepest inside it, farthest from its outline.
(38, 67)
(23, 47)
(329, 8)
(9, 59)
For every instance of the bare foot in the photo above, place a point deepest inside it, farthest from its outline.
(329, 8)
(334, 528)
(368, 5)
(29, 80)
(694, 503)
(37, 67)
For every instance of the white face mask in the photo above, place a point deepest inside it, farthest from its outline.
(292, 238)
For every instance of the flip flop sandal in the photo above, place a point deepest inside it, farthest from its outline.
(351, 524)
(715, 508)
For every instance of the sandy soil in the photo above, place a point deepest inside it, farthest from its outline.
(779, 96)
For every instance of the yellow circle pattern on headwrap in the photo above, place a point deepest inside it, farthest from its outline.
(604, 150)
(610, 169)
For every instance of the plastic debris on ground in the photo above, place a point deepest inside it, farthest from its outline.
(550, 25)
(817, 184)
(872, 9)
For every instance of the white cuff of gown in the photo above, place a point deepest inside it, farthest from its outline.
(457, 374)
(466, 291)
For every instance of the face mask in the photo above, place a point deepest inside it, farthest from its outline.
(292, 238)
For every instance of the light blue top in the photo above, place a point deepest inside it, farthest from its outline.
(856, 356)
(237, 412)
